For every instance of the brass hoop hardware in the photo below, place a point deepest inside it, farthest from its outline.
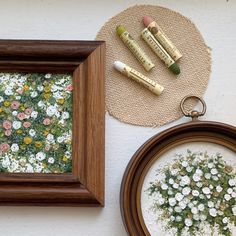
(193, 113)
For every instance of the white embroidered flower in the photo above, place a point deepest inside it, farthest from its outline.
(186, 200)
(234, 210)
(220, 213)
(201, 207)
(51, 161)
(29, 168)
(14, 147)
(32, 132)
(34, 94)
(210, 165)
(199, 184)
(182, 205)
(40, 88)
(194, 210)
(172, 201)
(232, 182)
(203, 217)
(213, 212)
(8, 92)
(195, 193)
(188, 222)
(170, 192)
(41, 104)
(172, 218)
(185, 180)
(206, 190)
(210, 204)
(6, 162)
(215, 178)
(179, 197)
(60, 139)
(34, 114)
(225, 220)
(186, 191)
(229, 190)
(211, 186)
(48, 76)
(178, 218)
(170, 209)
(196, 217)
(233, 194)
(190, 205)
(1, 99)
(50, 110)
(184, 163)
(174, 171)
(14, 113)
(201, 196)
(50, 138)
(40, 156)
(214, 171)
(207, 175)
(18, 97)
(32, 159)
(227, 197)
(16, 124)
(196, 177)
(199, 172)
(178, 209)
(219, 189)
(175, 185)
(65, 115)
(189, 169)
(171, 181)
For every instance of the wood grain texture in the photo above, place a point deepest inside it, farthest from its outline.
(85, 60)
(137, 168)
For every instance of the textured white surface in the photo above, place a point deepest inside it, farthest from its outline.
(77, 19)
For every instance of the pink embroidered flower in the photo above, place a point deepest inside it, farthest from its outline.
(26, 124)
(46, 121)
(69, 87)
(7, 124)
(19, 90)
(4, 147)
(47, 147)
(15, 105)
(8, 132)
(21, 116)
(28, 111)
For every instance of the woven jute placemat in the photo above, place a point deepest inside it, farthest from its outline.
(131, 103)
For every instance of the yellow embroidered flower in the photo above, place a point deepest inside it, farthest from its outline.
(47, 95)
(1, 110)
(27, 140)
(19, 131)
(38, 144)
(61, 101)
(47, 89)
(6, 104)
(65, 159)
(26, 88)
(45, 133)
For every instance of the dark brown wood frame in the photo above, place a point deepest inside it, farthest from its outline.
(148, 153)
(86, 61)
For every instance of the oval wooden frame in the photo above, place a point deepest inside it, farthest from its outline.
(145, 156)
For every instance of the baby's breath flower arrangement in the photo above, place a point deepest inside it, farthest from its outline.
(198, 192)
(35, 122)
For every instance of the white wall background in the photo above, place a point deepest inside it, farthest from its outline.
(77, 19)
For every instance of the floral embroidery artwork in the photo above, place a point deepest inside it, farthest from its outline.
(197, 192)
(35, 123)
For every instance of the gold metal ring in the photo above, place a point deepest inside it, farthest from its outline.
(193, 113)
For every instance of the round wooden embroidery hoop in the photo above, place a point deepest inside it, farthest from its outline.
(193, 131)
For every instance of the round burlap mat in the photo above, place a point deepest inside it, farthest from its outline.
(131, 103)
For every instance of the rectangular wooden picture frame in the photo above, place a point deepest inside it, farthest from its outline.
(52, 122)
